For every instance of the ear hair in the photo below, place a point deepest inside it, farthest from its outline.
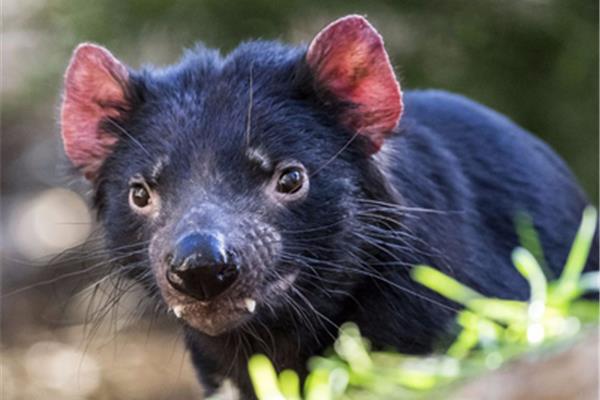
(96, 89)
(348, 60)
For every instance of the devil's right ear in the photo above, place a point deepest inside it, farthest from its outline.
(95, 90)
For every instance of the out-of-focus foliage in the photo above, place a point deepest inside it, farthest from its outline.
(493, 332)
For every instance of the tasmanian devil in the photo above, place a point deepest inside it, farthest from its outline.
(274, 193)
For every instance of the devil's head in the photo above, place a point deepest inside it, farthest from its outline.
(239, 181)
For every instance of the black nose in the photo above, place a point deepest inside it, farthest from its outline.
(201, 267)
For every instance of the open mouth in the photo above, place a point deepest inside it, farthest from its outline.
(212, 315)
(229, 309)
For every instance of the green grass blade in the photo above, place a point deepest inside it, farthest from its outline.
(567, 284)
(500, 310)
(444, 285)
(289, 384)
(264, 378)
(530, 240)
(528, 266)
(318, 385)
(350, 346)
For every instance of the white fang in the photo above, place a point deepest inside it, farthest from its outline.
(250, 305)
(178, 311)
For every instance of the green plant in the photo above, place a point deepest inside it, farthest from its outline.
(493, 332)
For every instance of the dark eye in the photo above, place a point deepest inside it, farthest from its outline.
(290, 180)
(139, 196)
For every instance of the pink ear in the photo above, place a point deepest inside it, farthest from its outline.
(95, 84)
(350, 62)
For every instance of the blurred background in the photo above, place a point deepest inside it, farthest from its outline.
(533, 60)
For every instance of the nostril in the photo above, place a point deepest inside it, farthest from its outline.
(229, 270)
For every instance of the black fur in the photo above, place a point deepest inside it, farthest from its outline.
(443, 191)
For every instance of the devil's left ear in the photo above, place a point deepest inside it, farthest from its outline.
(95, 90)
(348, 60)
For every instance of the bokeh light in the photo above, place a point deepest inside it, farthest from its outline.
(50, 222)
(57, 367)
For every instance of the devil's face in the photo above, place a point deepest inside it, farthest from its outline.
(238, 181)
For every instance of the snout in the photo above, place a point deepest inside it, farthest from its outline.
(201, 266)
(212, 267)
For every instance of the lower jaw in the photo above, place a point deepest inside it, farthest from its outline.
(235, 313)
(216, 322)
(212, 330)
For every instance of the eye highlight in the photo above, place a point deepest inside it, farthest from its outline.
(290, 180)
(141, 198)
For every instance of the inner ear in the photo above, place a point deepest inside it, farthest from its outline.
(348, 60)
(95, 91)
